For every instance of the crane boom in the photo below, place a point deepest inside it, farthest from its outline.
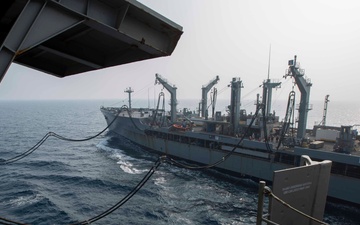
(323, 122)
(304, 86)
(172, 90)
(205, 89)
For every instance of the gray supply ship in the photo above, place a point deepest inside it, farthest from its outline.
(259, 142)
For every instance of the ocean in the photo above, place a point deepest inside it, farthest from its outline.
(68, 182)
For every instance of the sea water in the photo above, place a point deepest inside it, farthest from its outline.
(67, 182)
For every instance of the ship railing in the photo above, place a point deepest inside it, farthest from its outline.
(295, 192)
(301, 73)
(271, 81)
(265, 191)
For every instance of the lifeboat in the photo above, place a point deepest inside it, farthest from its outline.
(179, 127)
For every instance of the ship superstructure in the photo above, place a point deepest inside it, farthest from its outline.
(260, 143)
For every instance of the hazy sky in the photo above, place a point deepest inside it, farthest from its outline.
(228, 38)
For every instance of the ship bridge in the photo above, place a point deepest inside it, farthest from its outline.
(66, 37)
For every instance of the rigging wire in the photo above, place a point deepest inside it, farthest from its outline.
(144, 180)
(270, 193)
(183, 165)
(223, 89)
(141, 92)
(52, 134)
(251, 92)
(122, 101)
(267, 144)
(161, 94)
(282, 89)
(9, 222)
(126, 108)
(152, 170)
(164, 158)
(289, 117)
(127, 197)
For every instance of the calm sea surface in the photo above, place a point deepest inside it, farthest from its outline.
(65, 182)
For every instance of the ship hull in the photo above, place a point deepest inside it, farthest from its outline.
(251, 159)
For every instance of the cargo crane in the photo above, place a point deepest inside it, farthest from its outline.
(304, 86)
(268, 85)
(205, 89)
(172, 90)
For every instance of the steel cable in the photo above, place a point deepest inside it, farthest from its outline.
(127, 197)
(52, 134)
(9, 222)
(269, 191)
(143, 181)
(183, 165)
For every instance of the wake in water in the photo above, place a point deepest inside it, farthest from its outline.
(127, 163)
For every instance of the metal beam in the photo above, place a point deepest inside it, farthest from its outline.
(82, 35)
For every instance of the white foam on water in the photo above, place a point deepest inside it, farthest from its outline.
(122, 159)
(128, 167)
(103, 145)
(25, 200)
(160, 181)
(177, 218)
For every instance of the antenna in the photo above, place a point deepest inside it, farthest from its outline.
(269, 63)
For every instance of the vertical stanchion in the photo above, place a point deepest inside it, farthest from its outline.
(260, 202)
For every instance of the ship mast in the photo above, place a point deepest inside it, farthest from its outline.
(268, 85)
(205, 89)
(172, 90)
(304, 86)
(129, 90)
(236, 85)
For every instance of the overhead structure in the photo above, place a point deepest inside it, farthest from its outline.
(129, 90)
(268, 85)
(66, 37)
(172, 90)
(304, 86)
(235, 103)
(205, 89)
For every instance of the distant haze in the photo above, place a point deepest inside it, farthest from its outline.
(230, 39)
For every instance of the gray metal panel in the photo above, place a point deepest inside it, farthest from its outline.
(68, 37)
(304, 188)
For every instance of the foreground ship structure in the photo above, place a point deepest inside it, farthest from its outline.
(67, 37)
(260, 143)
